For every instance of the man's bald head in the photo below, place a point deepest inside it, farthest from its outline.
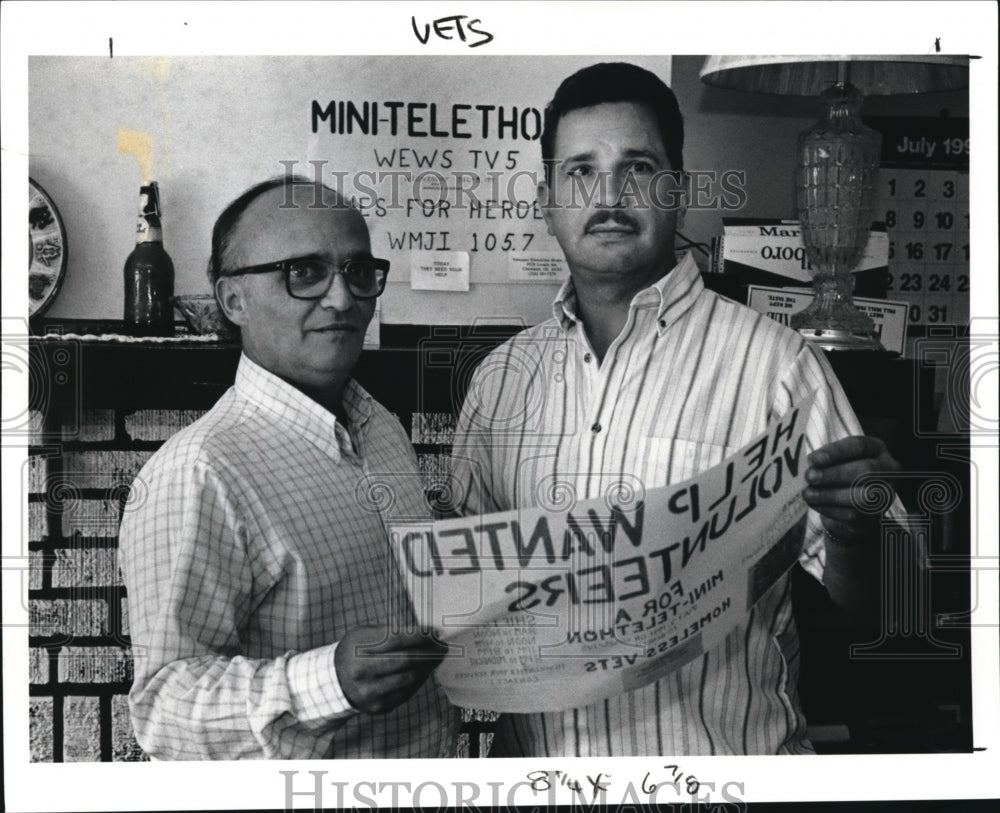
(296, 191)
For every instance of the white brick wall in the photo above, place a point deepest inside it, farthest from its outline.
(35, 570)
(90, 518)
(47, 617)
(159, 424)
(432, 427)
(37, 527)
(38, 665)
(124, 747)
(40, 728)
(95, 664)
(86, 567)
(81, 729)
(103, 468)
(96, 425)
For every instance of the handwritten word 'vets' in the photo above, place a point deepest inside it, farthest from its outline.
(444, 26)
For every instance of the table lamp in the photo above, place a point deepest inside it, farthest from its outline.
(837, 166)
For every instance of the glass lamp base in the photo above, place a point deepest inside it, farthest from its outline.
(835, 194)
(831, 320)
(831, 339)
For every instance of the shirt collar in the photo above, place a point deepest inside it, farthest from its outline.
(671, 295)
(300, 413)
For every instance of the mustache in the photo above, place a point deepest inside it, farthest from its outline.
(615, 215)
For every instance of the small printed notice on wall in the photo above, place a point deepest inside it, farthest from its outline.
(537, 266)
(439, 270)
(780, 303)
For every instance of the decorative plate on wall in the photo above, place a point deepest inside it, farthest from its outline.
(46, 249)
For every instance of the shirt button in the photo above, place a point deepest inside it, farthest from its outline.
(586, 357)
(595, 428)
(663, 323)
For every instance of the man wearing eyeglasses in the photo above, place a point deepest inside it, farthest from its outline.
(267, 620)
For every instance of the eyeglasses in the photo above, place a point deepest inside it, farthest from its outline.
(311, 277)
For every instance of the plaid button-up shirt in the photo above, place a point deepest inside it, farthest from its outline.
(256, 538)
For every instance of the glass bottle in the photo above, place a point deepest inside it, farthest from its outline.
(149, 273)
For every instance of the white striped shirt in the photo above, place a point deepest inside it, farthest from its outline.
(691, 378)
(254, 540)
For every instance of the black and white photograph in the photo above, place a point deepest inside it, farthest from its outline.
(560, 405)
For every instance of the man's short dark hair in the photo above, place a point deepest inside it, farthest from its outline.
(609, 82)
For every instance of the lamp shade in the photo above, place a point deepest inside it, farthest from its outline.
(809, 75)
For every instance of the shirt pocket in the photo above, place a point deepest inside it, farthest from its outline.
(671, 460)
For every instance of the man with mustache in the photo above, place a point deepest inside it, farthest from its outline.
(267, 619)
(643, 378)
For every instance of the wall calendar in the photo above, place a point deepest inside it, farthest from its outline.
(924, 202)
